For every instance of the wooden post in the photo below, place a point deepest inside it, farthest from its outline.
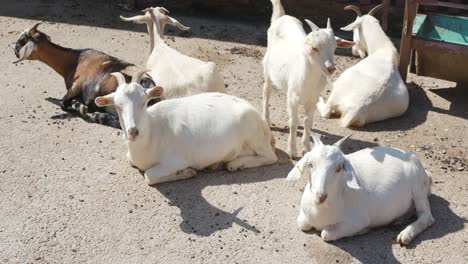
(406, 35)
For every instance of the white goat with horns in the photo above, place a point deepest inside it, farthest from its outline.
(173, 139)
(349, 194)
(179, 74)
(372, 90)
(299, 64)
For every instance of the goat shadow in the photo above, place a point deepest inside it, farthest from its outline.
(202, 218)
(458, 98)
(351, 145)
(376, 246)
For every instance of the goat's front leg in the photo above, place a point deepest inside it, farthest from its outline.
(303, 222)
(266, 99)
(309, 111)
(161, 173)
(67, 99)
(293, 122)
(355, 226)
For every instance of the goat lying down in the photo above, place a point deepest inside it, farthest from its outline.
(349, 194)
(372, 90)
(300, 64)
(174, 138)
(86, 72)
(179, 74)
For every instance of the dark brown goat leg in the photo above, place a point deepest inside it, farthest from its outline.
(66, 103)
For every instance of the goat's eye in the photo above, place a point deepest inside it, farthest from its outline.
(310, 165)
(315, 49)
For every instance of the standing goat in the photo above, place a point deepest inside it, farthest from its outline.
(372, 90)
(180, 75)
(173, 139)
(300, 64)
(86, 72)
(349, 194)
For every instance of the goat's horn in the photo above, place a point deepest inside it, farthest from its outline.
(146, 9)
(353, 8)
(375, 9)
(120, 77)
(340, 142)
(137, 76)
(164, 9)
(36, 25)
(311, 24)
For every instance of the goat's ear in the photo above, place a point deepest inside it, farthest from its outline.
(298, 170)
(105, 100)
(352, 26)
(141, 19)
(343, 43)
(26, 51)
(351, 180)
(177, 24)
(155, 92)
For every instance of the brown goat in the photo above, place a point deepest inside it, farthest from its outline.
(86, 72)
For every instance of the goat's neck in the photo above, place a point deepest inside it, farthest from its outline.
(61, 59)
(156, 34)
(375, 37)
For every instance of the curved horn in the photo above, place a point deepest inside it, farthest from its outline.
(375, 9)
(312, 25)
(353, 8)
(339, 142)
(164, 9)
(36, 25)
(120, 78)
(148, 9)
(137, 76)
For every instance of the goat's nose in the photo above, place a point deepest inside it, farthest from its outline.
(331, 69)
(321, 197)
(133, 132)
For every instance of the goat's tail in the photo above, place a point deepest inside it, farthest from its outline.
(278, 10)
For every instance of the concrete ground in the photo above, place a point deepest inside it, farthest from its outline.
(67, 194)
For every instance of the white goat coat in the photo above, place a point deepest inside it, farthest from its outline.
(286, 64)
(372, 90)
(199, 131)
(390, 181)
(181, 75)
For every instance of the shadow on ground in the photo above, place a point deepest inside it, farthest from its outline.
(202, 218)
(458, 98)
(351, 145)
(376, 246)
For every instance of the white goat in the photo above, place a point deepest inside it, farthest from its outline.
(180, 75)
(372, 90)
(173, 139)
(300, 64)
(349, 194)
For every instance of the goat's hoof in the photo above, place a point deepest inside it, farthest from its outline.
(405, 237)
(233, 166)
(328, 235)
(83, 109)
(149, 181)
(292, 154)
